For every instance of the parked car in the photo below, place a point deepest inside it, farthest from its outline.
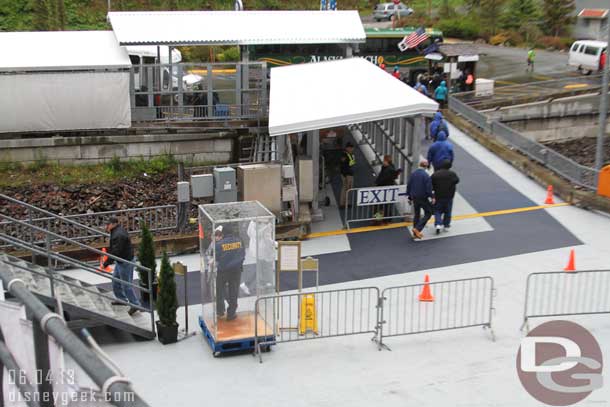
(586, 55)
(385, 11)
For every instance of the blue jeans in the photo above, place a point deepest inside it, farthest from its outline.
(124, 292)
(442, 212)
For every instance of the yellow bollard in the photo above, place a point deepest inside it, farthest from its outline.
(308, 320)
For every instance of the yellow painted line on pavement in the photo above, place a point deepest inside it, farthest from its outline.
(576, 86)
(506, 82)
(205, 71)
(541, 77)
(406, 224)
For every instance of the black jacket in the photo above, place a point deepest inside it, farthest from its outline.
(443, 183)
(387, 176)
(120, 245)
(346, 169)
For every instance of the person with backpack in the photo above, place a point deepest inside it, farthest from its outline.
(438, 123)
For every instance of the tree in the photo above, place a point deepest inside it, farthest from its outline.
(491, 11)
(167, 300)
(557, 15)
(518, 13)
(61, 15)
(41, 15)
(146, 256)
(171, 5)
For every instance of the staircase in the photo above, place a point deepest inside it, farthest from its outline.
(84, 304)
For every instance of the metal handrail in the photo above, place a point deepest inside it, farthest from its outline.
(117, 388)
(52, 215)
(61, 257)
(80, 287)
(71, 241)
(50, 254)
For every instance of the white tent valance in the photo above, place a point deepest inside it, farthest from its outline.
(335, 93)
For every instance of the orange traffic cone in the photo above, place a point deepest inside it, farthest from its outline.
(426, 295)
(103, 259)
(571, 263)
(549, 196)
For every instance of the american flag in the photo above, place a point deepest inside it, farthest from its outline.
(413, 40)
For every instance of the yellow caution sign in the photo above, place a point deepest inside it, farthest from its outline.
(308, 320)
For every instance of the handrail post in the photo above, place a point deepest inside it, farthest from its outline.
(31, 234)
(49, 261)
(151, 301)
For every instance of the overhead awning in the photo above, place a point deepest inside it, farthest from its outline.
(598, 13)
(61, 50)
(328, 94)
(236, 27)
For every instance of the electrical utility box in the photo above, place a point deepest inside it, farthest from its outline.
(225, 187)
(203, 185)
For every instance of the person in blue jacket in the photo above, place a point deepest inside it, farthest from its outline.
(437, 124)
(420, 195)
(230, 254)
(440, 94)
(441, 150)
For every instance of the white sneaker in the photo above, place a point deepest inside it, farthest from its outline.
(438, 229)
(447, 228)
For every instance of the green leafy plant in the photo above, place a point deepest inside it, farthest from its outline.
(167, 299)
(146, 256)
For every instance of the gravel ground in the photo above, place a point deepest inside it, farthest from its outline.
(582, 150)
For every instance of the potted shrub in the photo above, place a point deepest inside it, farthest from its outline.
(146, 256)
(167, 304)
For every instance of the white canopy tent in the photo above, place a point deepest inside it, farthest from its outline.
(236, 27)
(310, 97)
(68, 80)
(328, 94)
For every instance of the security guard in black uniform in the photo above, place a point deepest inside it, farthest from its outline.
(230, 255)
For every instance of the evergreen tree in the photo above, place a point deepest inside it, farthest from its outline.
(167, 300)
(557, 14)
(171, 5)
(519, 13)
(41, 16)
(146, 256)
(491, 11)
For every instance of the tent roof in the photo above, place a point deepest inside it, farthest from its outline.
(454, 50)
(60, 50)
(236, 27)
(335, 93)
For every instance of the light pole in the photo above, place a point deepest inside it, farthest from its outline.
(603, 107)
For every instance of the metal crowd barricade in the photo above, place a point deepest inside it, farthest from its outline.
(563, 293)
(281, 318)
(457, 304)
(368, 213)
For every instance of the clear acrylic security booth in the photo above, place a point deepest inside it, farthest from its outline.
(237, 247)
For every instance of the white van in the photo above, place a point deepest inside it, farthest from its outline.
(141, 55)
(585, 55)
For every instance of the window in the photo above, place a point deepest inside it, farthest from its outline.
(591, 51)
(582, 48)
(135, 60)
(574, 47)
